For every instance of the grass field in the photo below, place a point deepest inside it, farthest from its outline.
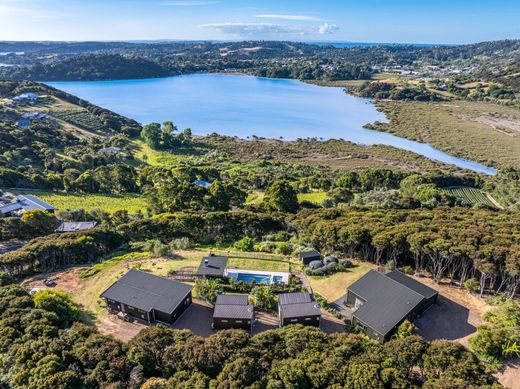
(259, 264)
(152, 157)
(335, 286)
(469, 196)
(110, 203)
(256, 197)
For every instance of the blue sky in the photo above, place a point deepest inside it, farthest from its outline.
(413, 21)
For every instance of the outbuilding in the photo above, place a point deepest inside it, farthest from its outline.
(298, 308)
(309, 256)
(233, 311)
(382, 302)
(212, 267)
(148, 297)
(75, 226)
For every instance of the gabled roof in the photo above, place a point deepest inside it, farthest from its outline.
(224, 311)
(146, 291)
(387, 301)
(214, 266)
(298, 310)
(232, 299)
(310, 254)
(294, 298)
(75, 226)
(409, 282)
(30, 202)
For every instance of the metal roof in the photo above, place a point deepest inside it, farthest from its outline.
(409, 282)
(226, 311)
(10, 207)
(75, 226)
(232, 299)
(30, 202)
(294, 298)
(300, 310)
(214, 267)
(146, 291)
(308, 254)
(387, 302)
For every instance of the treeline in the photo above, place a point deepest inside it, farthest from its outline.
(211, 227)
(386, 90)
(463, 245)
(90, 67)
(43, 345)
(57, 251)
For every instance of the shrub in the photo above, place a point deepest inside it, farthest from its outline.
(408, 270)
(58, 302)
(471, 284)
(262, 296)
(5, 279)
(180, 243)
(284, 248)
(208, 289)
(245, 244)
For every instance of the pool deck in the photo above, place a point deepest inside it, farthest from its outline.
(229, 272)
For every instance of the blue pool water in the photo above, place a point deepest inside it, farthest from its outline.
(244, 106)
(257, 278)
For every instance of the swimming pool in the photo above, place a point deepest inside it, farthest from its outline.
(258, 276)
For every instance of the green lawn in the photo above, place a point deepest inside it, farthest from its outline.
(256, 197)
(334, 286)
(152, 157)
(110, 203)
(259, 264)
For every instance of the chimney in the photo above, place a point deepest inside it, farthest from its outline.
(206, 262)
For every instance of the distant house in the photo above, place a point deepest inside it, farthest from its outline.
(23, 203)
(148, 297)
(75, 226)
(383, 301)
(35, 115)
(298, 308)
(26, 97)
(212, 267)
(202, 183)
(309, 256)
(111, 150)
(233, 311)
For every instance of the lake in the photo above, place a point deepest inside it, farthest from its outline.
(244, 106)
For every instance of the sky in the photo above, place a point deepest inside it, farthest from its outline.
(385, 21)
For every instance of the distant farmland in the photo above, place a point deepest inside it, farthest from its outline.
(470, 196)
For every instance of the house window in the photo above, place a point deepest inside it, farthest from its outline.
(308, 318)
(224, 321)
(294, 320)
(238, 321)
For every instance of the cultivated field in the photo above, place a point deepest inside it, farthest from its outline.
(108, 202)
(470, 196)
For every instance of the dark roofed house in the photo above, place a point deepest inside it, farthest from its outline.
(383, 301)
(309, 256)
(148, 297)
(75, 226)
(233, 311)
(212, 267)
(298, 308)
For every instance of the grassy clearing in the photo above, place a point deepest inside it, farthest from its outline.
(335, 286)
(152, 157)
(314, 197)
(110, 203)
(259, 264)
(469, 196)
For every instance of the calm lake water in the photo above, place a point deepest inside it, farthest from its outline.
(246, 106)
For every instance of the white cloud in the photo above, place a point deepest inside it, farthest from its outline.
(287, 17)
(252, 29)
(327, 28)
(188, 3)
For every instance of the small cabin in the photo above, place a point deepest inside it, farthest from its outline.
(309, 256)
(233, 311)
